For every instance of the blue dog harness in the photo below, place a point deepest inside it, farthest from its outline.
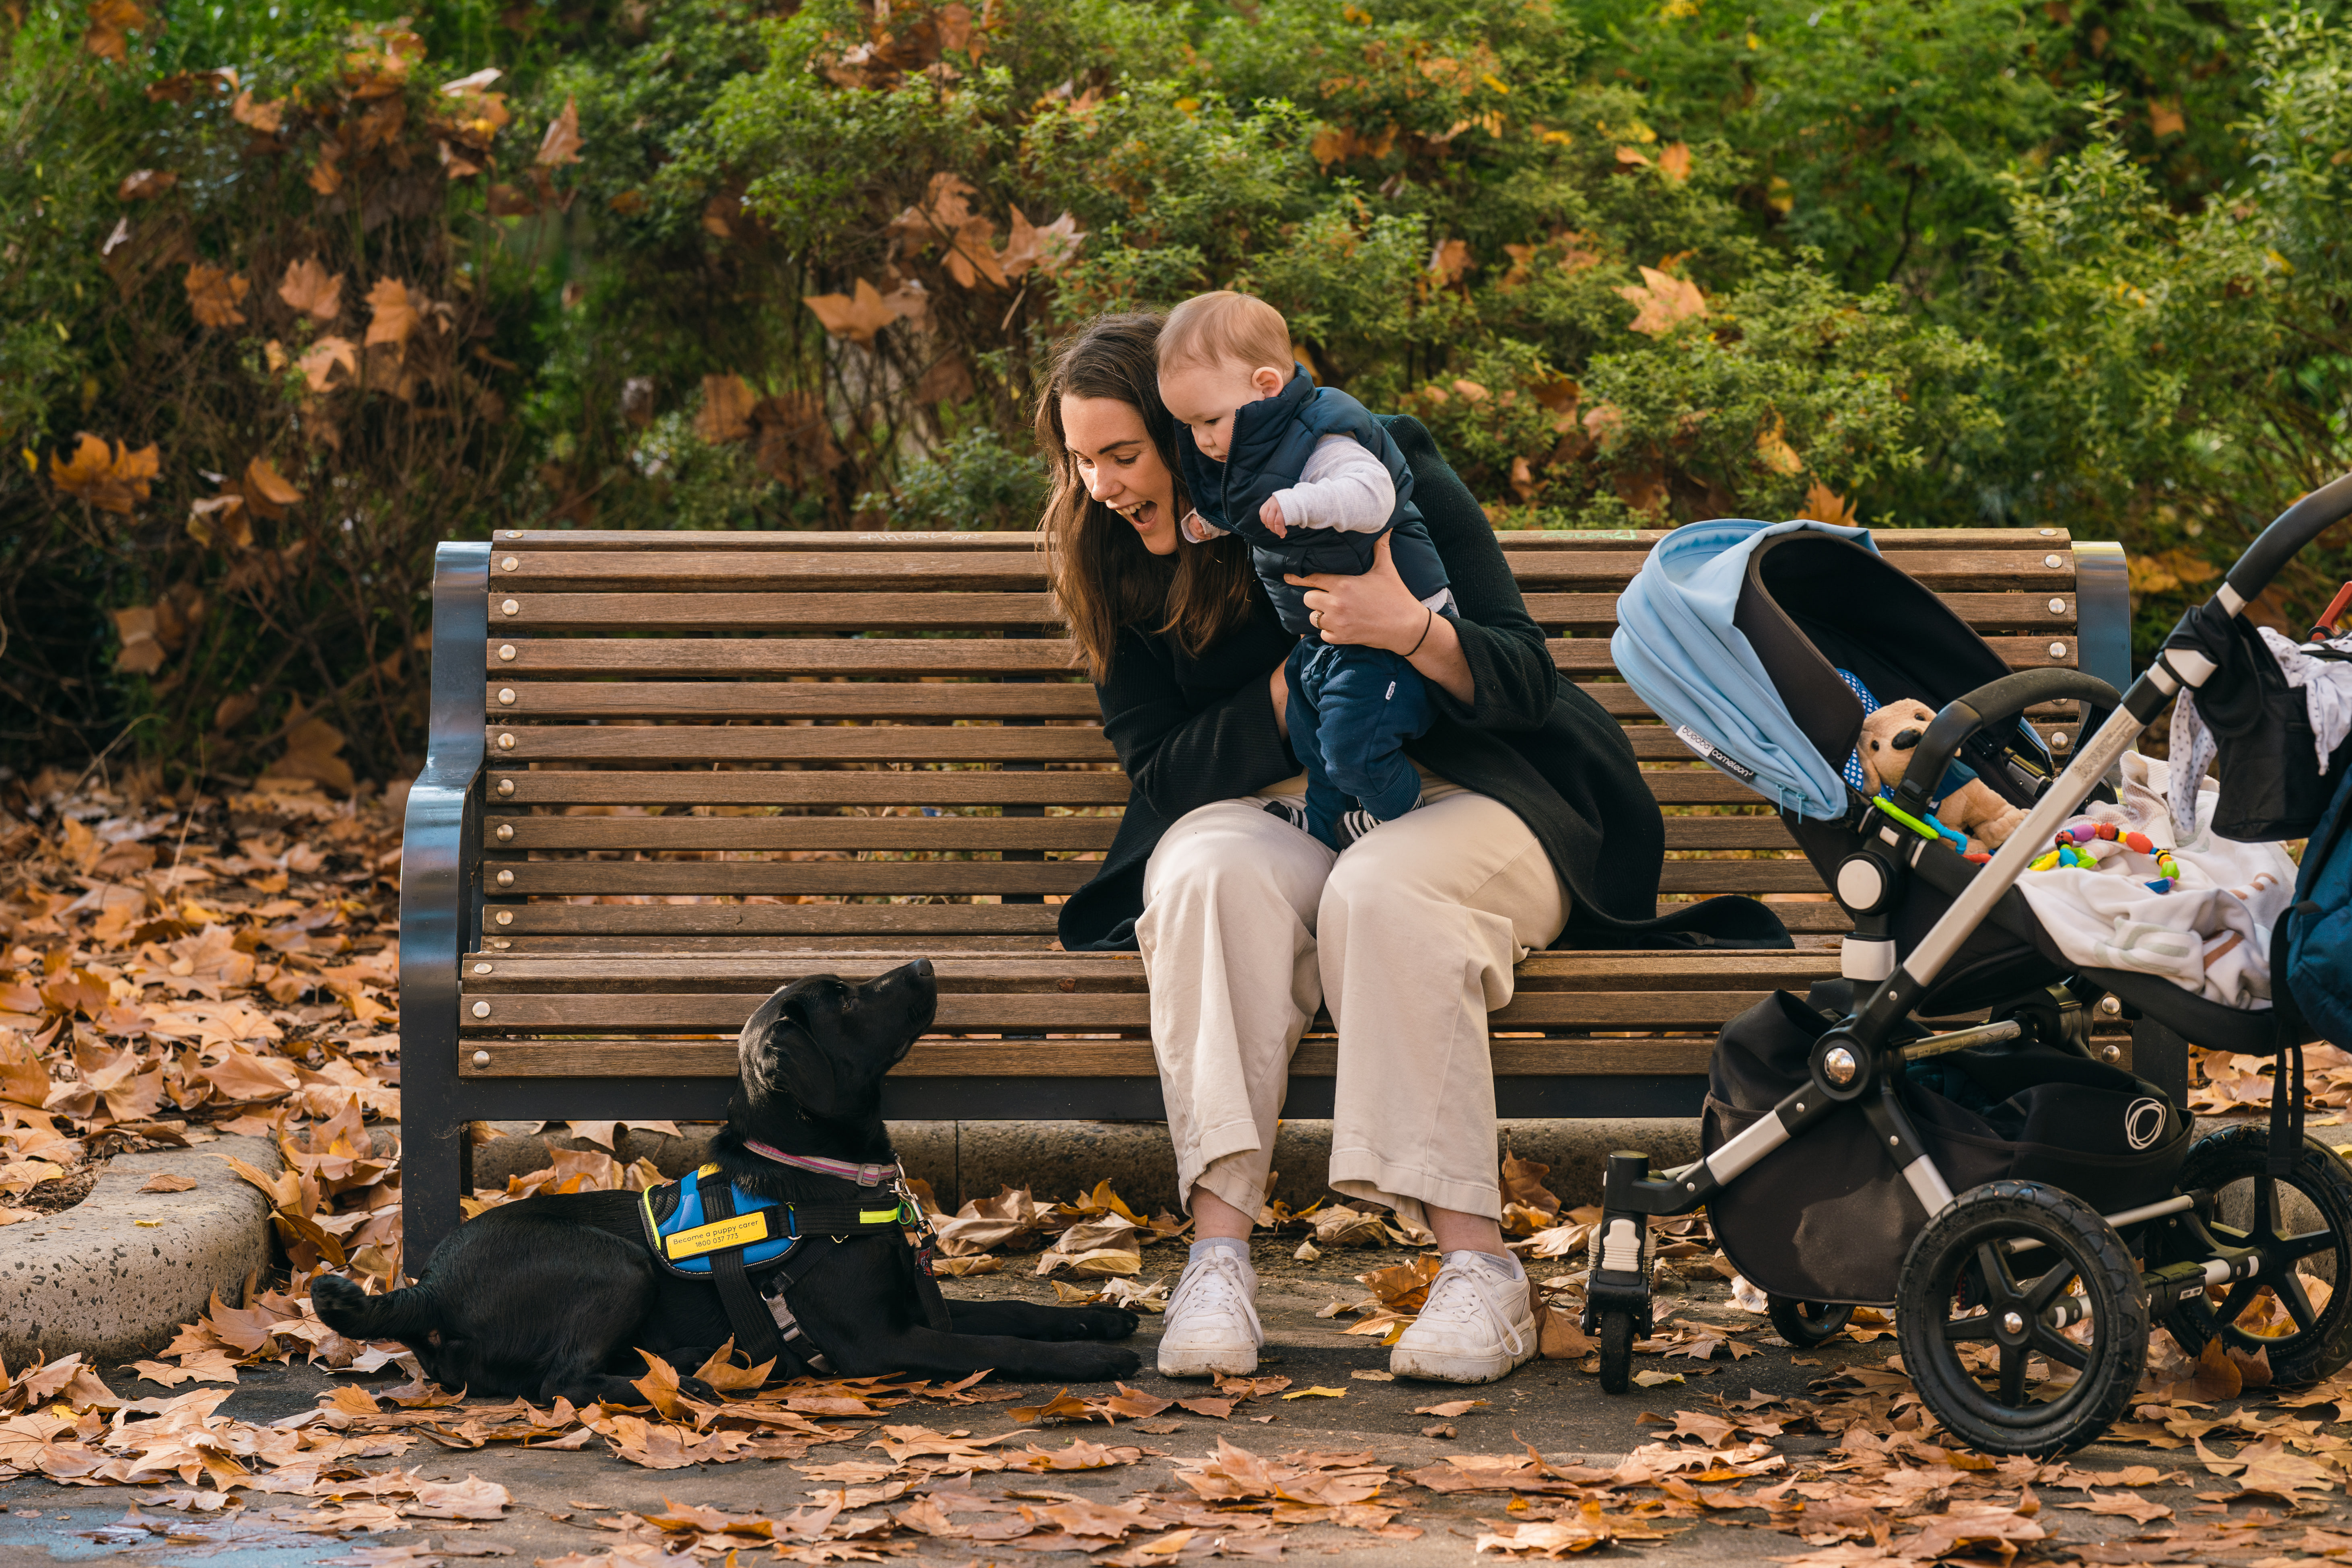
(707, 1228)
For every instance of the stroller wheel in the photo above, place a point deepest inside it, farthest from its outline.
(2022, 1322)
(2297, 1310)
(1616, 1351)
(1807, 1323)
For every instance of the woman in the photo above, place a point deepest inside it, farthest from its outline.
(1536, 827)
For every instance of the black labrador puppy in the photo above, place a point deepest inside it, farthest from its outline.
(555, 1294)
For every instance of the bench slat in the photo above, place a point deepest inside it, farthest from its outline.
(519, 744)
(957, 833)
(907, 878)
(496, 974)
(744, 656)
(1694, 785)
(724, 927)
(541, 571)
(1057, 1059)
(519, 539)
(1594, 613)
(965, 1012)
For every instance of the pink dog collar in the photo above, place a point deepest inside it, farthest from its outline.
(864, 1176)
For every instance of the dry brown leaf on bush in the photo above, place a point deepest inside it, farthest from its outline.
(109, 20)
(310, 753)
(267, 491)
(726, 412)
(313, 290)
(1824, 504)
(562, 142)
(266, 118)
(319, 361)
(857, 315)
(214, 295)
(393, 317)
(1674, 161)
(145, 185)
(1664, 301)
(110, 478)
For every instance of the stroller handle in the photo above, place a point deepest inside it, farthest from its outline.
(1987, 707)
(2296, 527)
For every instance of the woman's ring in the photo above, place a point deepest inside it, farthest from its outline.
(1315, 619)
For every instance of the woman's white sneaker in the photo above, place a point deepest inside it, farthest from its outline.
(1211, 1327)
(1477, 1327)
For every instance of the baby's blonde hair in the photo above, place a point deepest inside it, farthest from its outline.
(1224, 327)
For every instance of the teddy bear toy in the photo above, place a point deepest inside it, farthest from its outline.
(1886, 744)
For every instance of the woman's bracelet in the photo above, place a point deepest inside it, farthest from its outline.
(1425, 626)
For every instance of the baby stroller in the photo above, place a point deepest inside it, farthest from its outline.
(2030, 1211)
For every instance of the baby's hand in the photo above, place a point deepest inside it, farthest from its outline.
(1270, 514)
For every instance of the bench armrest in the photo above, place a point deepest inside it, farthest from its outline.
(441, 849)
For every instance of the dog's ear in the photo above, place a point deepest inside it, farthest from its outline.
(825, 1084)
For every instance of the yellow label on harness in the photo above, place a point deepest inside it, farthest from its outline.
(877, 1216)
(741, 1231)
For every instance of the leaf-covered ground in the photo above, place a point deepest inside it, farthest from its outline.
(178, 969)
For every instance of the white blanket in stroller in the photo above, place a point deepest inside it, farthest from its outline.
(2211, 933)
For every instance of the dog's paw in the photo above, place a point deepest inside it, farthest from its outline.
(1108, 1323)
(1098, 1364)
(701, 1392)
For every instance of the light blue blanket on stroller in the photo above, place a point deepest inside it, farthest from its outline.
(1676, 646)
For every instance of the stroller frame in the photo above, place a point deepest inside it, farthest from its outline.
(2158, 1262)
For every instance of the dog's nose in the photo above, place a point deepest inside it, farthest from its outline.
(921, 968)
(1906, 740)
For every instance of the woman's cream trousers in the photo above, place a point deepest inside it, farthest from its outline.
(1410, 936)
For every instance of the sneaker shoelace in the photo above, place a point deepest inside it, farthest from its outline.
(1213, 1285)
(1458, 1302)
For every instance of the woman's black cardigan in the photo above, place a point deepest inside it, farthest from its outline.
(1191, 731)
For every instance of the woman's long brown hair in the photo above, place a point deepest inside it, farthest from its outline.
(1104, 576)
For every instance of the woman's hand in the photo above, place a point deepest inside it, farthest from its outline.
(1377, 610)
(1374, 610)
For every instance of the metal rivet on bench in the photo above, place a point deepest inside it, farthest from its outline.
(2057, 650)
(506, 744)
(2049, 533)
(506, 831)
(506, 879)
(509, 564)
(481, 1059)
(505, 786)
(482, 969)
(2057, 606)
(506, 696)
(506, 650)
(511, 608)
(2050, 560)
(505, 917)
(2058, 739)
(481, 1009)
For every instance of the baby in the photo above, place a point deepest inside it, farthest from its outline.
(1312, 480)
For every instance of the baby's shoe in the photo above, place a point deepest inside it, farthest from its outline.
(1289, 810)
(1477, 1326)
(1211, 1327)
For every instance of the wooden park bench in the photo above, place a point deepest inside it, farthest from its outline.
(670, 772)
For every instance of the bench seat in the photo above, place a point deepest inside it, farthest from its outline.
(671, 772)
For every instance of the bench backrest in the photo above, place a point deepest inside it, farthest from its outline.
(704, 741)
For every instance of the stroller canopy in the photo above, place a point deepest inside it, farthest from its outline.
(1676, 645)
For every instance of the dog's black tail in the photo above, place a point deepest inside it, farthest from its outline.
(409, 1314)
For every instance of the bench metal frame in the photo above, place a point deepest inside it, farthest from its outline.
(441, 910)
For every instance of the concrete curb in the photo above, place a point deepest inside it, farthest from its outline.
(968, 1160)
(97, 1280)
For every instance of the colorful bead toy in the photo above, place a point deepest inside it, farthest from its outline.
(2071, 847)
